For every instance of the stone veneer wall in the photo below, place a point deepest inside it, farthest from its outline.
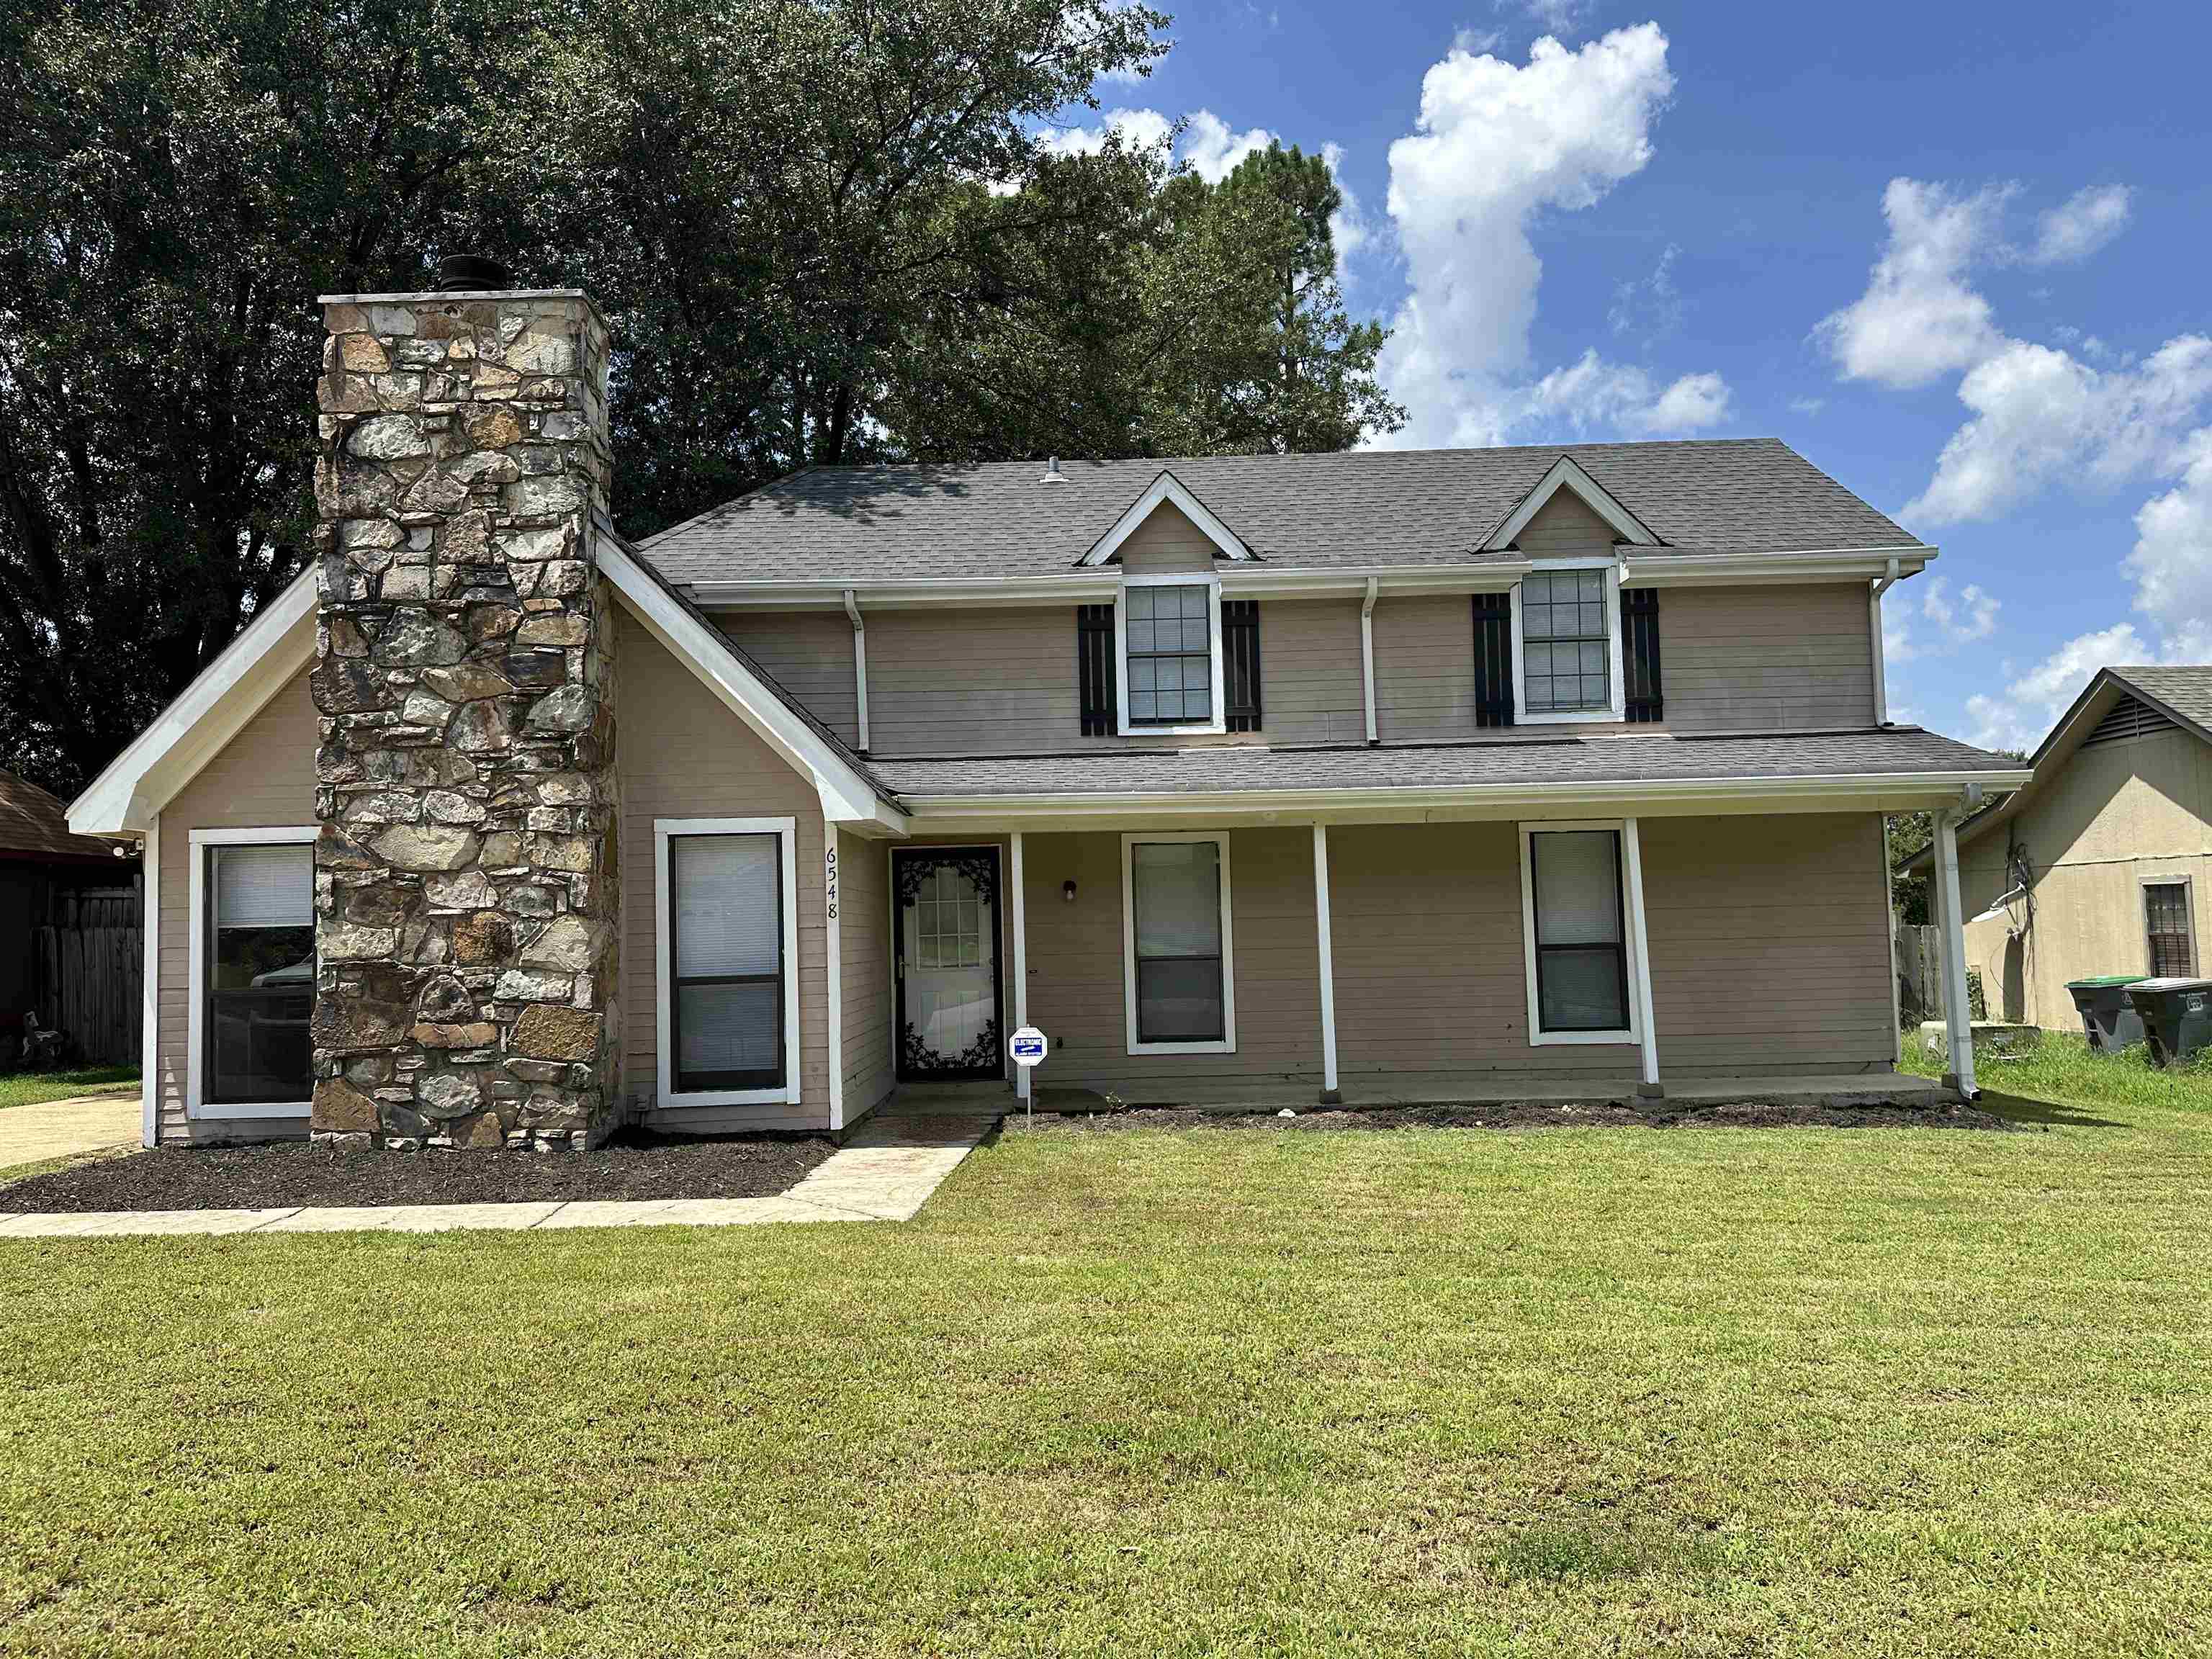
(466, 880)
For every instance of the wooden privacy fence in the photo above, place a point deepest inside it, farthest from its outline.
(90, 966)
(1919, 974)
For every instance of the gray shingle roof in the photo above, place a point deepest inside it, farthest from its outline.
(34, 825)
(1653, 757)
(1369, 507)
(2186, 690)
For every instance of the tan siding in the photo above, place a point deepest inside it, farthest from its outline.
(1424, 668)
(1311, 690)
(1075, 956)
(1566, 527)
(1770, 943)
(2113, 815)
(1766, 658)
(682, 755)
(1167, 541)
(809, 654)
(265, 776)
(977, 682)
(864, 919)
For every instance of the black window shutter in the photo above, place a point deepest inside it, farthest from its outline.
(1094, 662)
(1493, 660)
(1639, 650)
(1240, 662)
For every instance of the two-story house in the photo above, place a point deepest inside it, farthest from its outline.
(1383, 775)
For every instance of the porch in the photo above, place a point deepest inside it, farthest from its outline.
(1378, 964)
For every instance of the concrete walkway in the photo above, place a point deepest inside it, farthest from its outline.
(63, 1128)
(886, 1172)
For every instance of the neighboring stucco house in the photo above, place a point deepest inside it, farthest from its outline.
(1255, 777)
(2096, 865)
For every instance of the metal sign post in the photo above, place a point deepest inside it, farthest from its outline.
(1027, 1046)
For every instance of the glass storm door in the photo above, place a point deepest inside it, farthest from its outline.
(948, 962)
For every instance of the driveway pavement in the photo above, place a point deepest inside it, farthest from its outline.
(63, 1128)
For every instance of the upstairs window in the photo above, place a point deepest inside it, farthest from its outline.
(1170, 650)
(1567, 643)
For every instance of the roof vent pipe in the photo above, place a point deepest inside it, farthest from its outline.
(1052, 473)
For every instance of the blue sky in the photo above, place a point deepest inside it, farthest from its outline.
(1957, 254)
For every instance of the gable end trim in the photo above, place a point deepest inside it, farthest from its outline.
(1566, 474)
(1167, 488)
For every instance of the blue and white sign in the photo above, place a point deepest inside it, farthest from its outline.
(1026, 1045)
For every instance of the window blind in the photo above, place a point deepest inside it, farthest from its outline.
(265, 886)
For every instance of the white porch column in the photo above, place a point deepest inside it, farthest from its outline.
(1021, 952)
(1632, 855)
(1950, 932)
(150, 990)
(1330, 1094)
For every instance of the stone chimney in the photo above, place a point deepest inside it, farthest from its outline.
(467, 900)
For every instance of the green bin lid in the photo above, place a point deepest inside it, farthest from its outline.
(2107, 979)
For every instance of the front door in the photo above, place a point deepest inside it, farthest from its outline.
(947, 964)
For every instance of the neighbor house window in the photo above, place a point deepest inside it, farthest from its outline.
(1577, 927)
(253, 971)
(726, 938)
(1178, 968)
(2166, 920)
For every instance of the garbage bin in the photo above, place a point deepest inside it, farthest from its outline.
(2108, 1020)
(2177, 1016)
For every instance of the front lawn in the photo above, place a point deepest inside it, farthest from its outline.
(27, 1088)
(1701, 1391)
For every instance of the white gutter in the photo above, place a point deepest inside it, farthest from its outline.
(1308, 801)
(1880, 586)
(859, 665)
(1367, 651)
(1655, 568)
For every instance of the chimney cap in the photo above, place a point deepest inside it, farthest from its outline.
(472, 273)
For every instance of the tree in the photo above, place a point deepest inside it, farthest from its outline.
(179, 179)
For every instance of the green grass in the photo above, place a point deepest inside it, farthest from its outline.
(26, 1088)
(2062, 1068)
(1688, 1391)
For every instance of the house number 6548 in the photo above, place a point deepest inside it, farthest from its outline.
(830, 860)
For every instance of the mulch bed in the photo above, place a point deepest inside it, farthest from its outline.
(1542, 1114)
(632, 1165)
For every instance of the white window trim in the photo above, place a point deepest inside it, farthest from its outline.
(1167, 579)
(2144, 884)
(197, 1104)
(1630, 944)
(1616, 690)
(1226, 1044)
(787, 1093)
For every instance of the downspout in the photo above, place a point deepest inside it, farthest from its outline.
(1874, 622)
(860, 665)
(1367, 652)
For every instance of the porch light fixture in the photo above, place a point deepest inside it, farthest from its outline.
(1067, 892)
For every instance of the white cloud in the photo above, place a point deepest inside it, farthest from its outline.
(1592, 392)
(2040, 413)
(2172, 562)
(1918, 320)
(1213, 150)
(2031, 704)
(2080, 226)
(1972, 616)
(1347, 226)
(1652, 307)
(1474, 41)
(1559, 16)
(1807, 407)
(1497, 145)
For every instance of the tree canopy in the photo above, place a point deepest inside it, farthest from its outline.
(824, 232)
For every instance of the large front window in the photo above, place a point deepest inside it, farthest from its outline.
(1578, 932)
(728, 936)
(1567, 643)
(1179, 964)
(259, 974)
(1169, 643)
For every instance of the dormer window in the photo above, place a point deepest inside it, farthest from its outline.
(1170, 646)
(1566, 639)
